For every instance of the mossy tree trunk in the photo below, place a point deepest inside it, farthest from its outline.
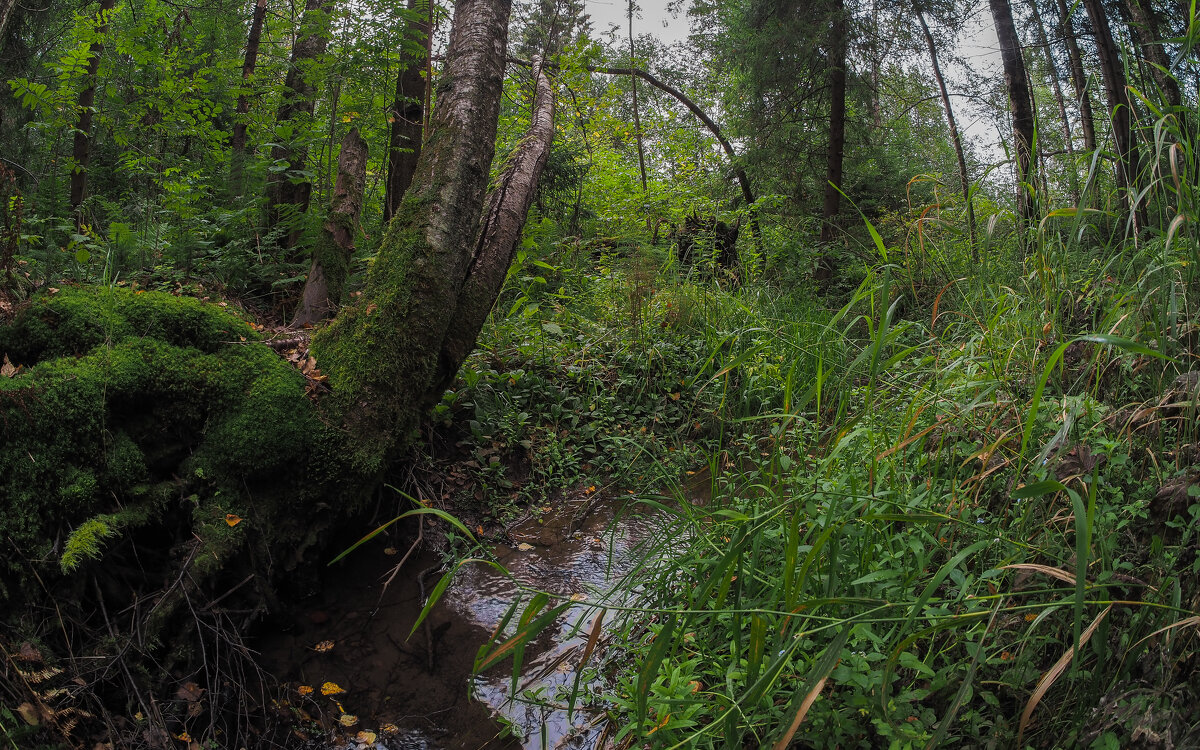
(383, 355)
(508, 205)
(335, 246)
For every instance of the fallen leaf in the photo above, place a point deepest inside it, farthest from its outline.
(29, 714)
(332, 688)
(304, 690)
(579, 597)
(28, 653)
(323, 647)
(389, 729)
(189, 691)
(366, 737)
(348, 720)
(389, 551)
(524, 546)
(183, 737)
(7, 370)
(232, 519)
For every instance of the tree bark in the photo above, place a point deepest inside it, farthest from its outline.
(287, 199)
(1040, 29)
(831, 204)
(6, 15)
(81, 148)
(637, 120)
(238, 139)
(1150, 41)
(333, 250)
(964, 179)
(1087, 120)
(1119, 110)
(507, 208)
(1017, 83)
(408, 110)
(383, 354)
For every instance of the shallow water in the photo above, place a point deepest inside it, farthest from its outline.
(421, 685)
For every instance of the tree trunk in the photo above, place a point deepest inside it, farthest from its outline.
(837, 140)
(6, 15)
(238, 140)
(333, 250)
(286, 199)
(1056, 87)
(1078, 78)
(408, 110)
(383, 354)
(507, 207)
(1119, 110)
(81, 149)
(1017, 83)
(1150, 40)
(637, 120)
(964, 179)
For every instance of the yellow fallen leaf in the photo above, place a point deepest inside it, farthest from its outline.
(323, 647)
(348, 720)
(365, 737)
(389, 729)
(183, 737)
(304, 690)
(332, 688)
(579, 597)
(232, 519)
(390, 551)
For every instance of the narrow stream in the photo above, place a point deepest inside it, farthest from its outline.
(416, 693)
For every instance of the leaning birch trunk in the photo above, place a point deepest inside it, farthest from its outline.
(335, 246)
(507, 207)
(383, 354)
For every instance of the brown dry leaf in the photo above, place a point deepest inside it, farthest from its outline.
(389, 551)
(195, 709)
(232, 519)
(332, 688)
(524, 546)
(304, 690)
(323, 647)
(27, 652)
(372, 308)
(29, 714)
(348, 720)
(189, 691)
(7, 370)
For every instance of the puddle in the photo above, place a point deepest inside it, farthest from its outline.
(421, 686)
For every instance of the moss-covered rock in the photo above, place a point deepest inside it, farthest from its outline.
(151, 414)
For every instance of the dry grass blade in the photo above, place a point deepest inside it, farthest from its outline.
(1194, 620)
(800, 714)
(1058, 573)
(593, 637)
(1054, 673)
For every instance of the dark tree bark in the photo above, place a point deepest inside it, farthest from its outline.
(383, 355)
(1087, 121)
(831, 204)
(504, 218)
(238, 139)
(6, 15)
(637, 120)
(334, 248)
(1017, 83)
(408, 110)
(81, 148)
(1113, 72)
(1149, 39)
(287, 199)
(964, 179)
(1052, 69)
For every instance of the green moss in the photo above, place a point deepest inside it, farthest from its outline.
(131, 403)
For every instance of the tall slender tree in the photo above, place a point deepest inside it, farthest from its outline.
(408, 106)
(964, 179)
(1016, 81)
(831, 203)
(81, 148)
(287, 195)
(238, 139)
(1119, 110)
(1039, 29)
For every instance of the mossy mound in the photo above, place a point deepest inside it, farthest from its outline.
(156, 424)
